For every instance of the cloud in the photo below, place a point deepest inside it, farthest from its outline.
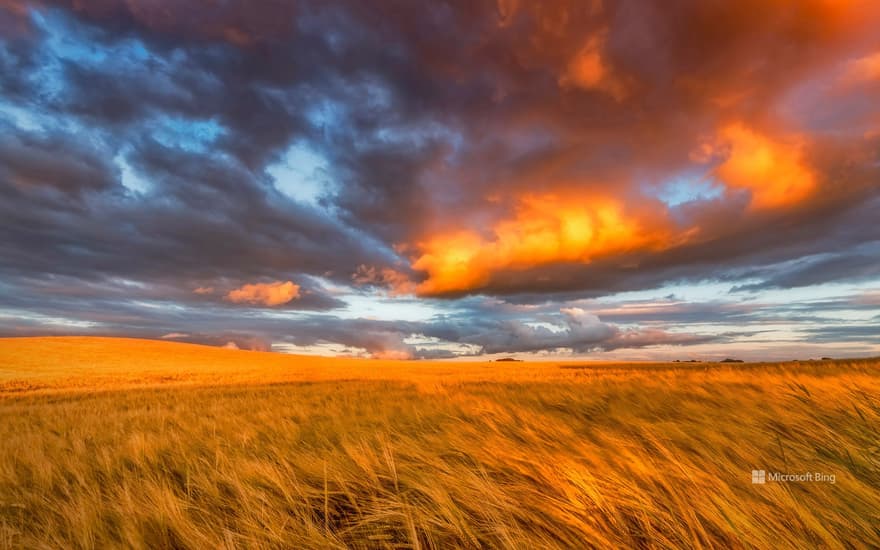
(396, 282)
(545, 230)
(59, 161)
(774, 172)
(589, 70)
(857, 264)
(268, 294)
(863, 69)
(577, 331)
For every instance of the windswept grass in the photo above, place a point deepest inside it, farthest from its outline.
(437, 456)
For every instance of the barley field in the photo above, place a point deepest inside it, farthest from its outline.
(114, 443)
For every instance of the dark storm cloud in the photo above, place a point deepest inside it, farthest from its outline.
(386, 73)
(138, 139)
(31, 160)
(216, 212)
(205, 220)
(851, 333)
(579, 331)
(859, 264)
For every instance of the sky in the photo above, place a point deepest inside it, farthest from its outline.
(596, 179)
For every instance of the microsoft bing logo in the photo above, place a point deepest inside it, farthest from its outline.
(759, 476)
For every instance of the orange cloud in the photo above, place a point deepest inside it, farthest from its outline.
(773, 171)
(267, 294)
(506, 10)
(589, 70)
(863, 69)
(545, 229)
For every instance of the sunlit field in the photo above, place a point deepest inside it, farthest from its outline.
(127, 443)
